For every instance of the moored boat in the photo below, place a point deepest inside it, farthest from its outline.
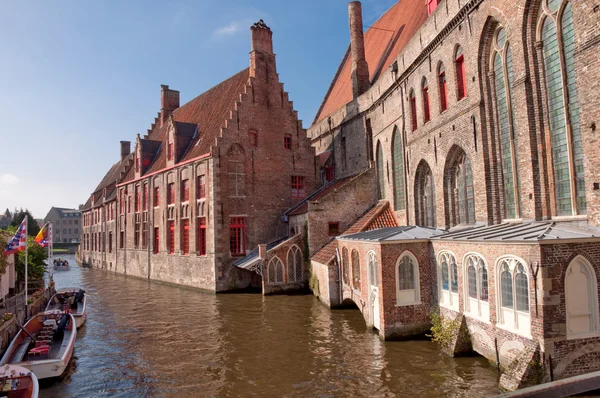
(61, 265)
(18, 382)
(73, 300)
(44, 345)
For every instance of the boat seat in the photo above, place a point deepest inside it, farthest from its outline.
(41, 350)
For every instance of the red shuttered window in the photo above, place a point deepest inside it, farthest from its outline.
(171, 193)
(137, 198)
(413, 110)
(185, 236)
(425, 92)
(461, 79)
(156, 196)
(237, 236)
(110, 242)
(201, 244)
(145, 197)
(298, 187)
(201, 187)
(156, 240)
(171, 233)
(442, 88)
(122, 200)
(185, 191)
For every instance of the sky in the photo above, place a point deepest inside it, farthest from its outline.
(77, 77)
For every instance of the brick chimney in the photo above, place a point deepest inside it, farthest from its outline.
(262, 38)
(169, 101)
(125, 149)
(360, 68)
(262, 62)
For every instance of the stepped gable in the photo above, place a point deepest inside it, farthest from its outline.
(111, 178)
(384, 41)
(302, 207)
(378, 216)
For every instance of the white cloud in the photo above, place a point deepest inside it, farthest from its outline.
(8, 179)
(228, 30)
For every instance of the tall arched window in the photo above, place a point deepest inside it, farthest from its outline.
(442, 87)
(294, 261)
(407, 280)
(413, 109)
(514, 294)
(448, 279)
(476, 295)
(424, 196)
(503, 82)
(275, 271)
(581, 299)
(459, 192)
(425, 93)
(345, 266)
(380, 172)
(461, 77)
(355, 270)
(398, 167)
(373, 269)
(558, 39)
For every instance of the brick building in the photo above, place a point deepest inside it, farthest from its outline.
(197, 191)
(477, 121)
(66, 224)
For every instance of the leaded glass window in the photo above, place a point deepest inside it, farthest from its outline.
(445, 284)
(373, 269)
(406, 274)
(507, 288)
(380, 173)
(345, 266)
(295, 264)
(514, 295)
(472, 281)
(483, 283)
(275, 270)
(460, 193)
(454, 275)
(425, 196)
(355, 269)
(398, 159)
(521, 289)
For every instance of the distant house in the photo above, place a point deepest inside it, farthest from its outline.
(7, 278)
(66, 224)
(5, 219)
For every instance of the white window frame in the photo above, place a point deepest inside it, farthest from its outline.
(372, 259)
(512, 320)
(401, 295)
(447, 298)
(475, 307)
(292, 252)
(592, 290)
(275, 262)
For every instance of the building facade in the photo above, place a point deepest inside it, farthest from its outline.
(66, 224)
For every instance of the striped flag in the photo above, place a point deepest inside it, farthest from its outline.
(19, 241)
(42, 236)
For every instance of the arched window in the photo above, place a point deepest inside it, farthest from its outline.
(476, 295)
(275, 271)
(459, 193)
(294, 262)
(407, 280)
(448, 279)
(373, 269)
(413, 109)
(355, 270)
(380, 172)
(514, 294)
(442, 87)
(424, 196)
(503, 82)
(581, 299)
(345, 266)
(558, 39)
(461, 77)
(425, 93)
(398, 167)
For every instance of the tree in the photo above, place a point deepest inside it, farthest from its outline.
(36, 255)
(3, 259)
(32, 225)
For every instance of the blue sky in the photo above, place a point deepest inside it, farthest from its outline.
(79, 76)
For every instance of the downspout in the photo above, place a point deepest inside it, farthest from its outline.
(150, 223)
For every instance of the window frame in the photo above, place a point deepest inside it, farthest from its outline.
(184, 192)
(416, 290)
(426, 102)
(298, 187)
(451, 299)
(201, 186)
(201, 236)
(461, 74)
(296, 267)
(287, 142)
(482, 307)
(521, 321)
(592, 292)
(413, 109)
(442, 87)
(237, 224)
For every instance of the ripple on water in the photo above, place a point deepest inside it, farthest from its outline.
(151, 339)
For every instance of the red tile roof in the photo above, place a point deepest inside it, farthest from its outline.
(378, 216)
(384, 41)
(302, 207)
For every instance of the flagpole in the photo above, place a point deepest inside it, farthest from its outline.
(26, 247)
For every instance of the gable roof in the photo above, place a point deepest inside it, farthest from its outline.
(384, 41)
(302, 206)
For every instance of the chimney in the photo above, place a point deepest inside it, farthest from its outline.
(262, 38)
(169, 101)
(360, 68)
(125, 149)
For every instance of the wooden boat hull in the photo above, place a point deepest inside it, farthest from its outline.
(8, 373)
(80, 316)
(44, 368)
(61, 268)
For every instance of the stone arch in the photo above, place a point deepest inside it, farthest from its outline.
(581, 299)
(459, 195)
(561, 367)
(424, 194)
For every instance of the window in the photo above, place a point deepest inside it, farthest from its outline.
(122, 200)
(373, 270)
(558, 39)
(275, 271)
(253, 138)
(145, 197)
(448, 279)
(334, 229)
(425, 93)
(170, 151)
(329, 175)
(156, 240)
(110, 238)
(171, 193)
(201, 238)
(345, 266)
(185, 236)
(442, 88)
(137, 198)
(75, 222)
(413, 109)
(76, 230)
(144, 235)
(122, 239)
(398, 170)
(298, 188)
(476, 295)
(407, 280)
(581, 299)
(237, 236)
(236, 171)
(136, 235)
(156, 196)
(185, 190)
(513, 308)
(201, 187)
(461, 78)
(380, 172)
(294, 262)
(424, 196)
(369, 141)
(503, 81)
(171, 236)
(459, 192)
(287, 141)
(355, 270)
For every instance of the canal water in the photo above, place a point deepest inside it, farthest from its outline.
(146, 339)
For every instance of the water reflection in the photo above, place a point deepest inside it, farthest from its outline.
(149, 339)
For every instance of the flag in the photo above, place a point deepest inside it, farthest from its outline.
(42, 236)
(19, 241)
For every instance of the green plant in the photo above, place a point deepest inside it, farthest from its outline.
(443, 331)
(35, 296)
(3, 258)
(6, 317)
